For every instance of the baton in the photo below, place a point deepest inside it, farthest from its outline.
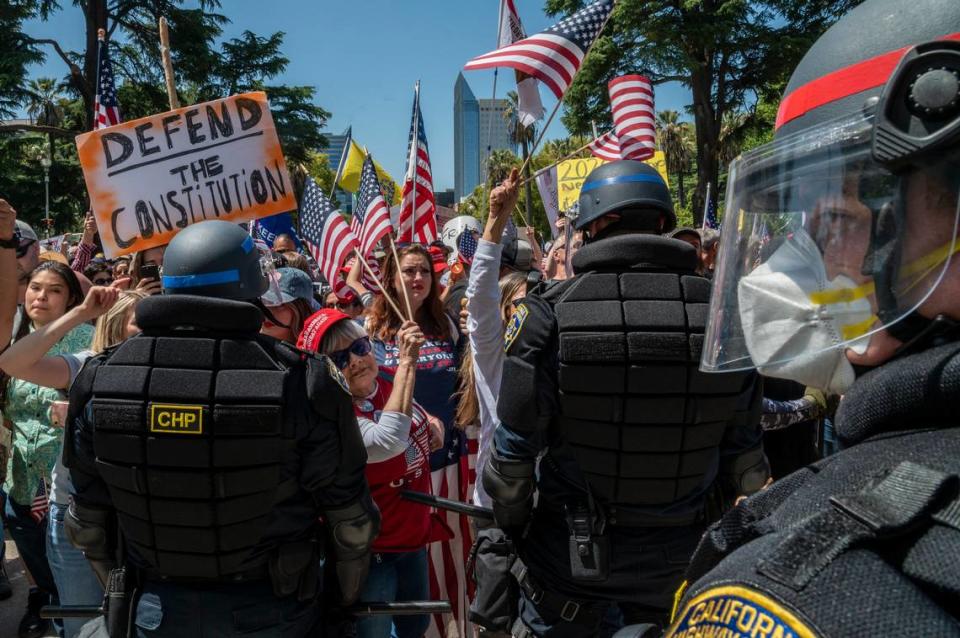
(399, 608)
(474, 511)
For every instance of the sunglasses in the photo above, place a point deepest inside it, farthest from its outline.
(361, 348)
(23, 247)
(102, 281)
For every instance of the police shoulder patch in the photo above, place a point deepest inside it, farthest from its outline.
(734, 611)
(337, 375)
(520, 314)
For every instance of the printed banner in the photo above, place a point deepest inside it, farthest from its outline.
(150, 178)
(572, 173)
(547, 185)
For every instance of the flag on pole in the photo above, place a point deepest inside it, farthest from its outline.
(40, 503)
(555, 55)
(371, 217)
(529, 106)
(710, 212)
(418, 208)
(606, 147)
(467, 245)
(631, 101)
(327, 235)
(106, 108)
(353, 167)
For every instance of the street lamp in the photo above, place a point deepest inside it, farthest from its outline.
(45, 162)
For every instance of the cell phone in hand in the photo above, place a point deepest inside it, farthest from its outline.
(149, 271)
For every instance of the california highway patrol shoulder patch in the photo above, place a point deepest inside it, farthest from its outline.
(734, 611)
(337, 375)
(520, 314)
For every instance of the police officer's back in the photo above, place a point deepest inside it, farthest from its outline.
(603, 381)
(840, 271)
(203, 456)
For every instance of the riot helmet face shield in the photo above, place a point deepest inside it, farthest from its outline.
(823, 247)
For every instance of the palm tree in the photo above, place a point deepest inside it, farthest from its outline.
(733, 130)
(499, 164)
(677, 146)
(524, 136)
(44, 105)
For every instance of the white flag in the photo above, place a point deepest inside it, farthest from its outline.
(547, 185)
(528, 88)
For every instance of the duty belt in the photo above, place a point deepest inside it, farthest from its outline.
(260, 572)
(567, 609)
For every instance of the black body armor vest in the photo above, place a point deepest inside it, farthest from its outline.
(191, 434)
(643, 422)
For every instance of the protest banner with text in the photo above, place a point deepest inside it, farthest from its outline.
(150, 178)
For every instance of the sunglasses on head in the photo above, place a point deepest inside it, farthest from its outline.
(361, 348)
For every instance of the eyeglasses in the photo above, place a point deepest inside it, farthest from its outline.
(361, 348)
(23, 247)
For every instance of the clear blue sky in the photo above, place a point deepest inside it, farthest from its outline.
(363, 56)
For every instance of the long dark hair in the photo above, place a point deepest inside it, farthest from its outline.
(383, 322)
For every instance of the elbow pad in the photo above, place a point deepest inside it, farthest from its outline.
(510, 484)
(351, 531)
(88, 529)
(746, 473)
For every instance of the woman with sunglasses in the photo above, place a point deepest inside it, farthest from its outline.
(398, 438)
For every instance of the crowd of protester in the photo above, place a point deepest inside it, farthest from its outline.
(424, 373)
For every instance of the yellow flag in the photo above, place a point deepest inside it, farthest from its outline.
(352, 167)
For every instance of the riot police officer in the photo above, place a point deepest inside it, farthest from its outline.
(840, 271)
(203, 456)
(632, 439)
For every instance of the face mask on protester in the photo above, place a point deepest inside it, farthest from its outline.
(794, 319)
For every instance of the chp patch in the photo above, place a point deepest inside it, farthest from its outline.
(520, 314)
(172, 418)
(337, 375)
(733, 611)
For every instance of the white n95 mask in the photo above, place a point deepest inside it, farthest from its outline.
(797, 325)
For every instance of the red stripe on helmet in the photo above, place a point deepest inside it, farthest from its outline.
(850, 80)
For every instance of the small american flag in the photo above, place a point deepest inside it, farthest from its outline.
(631, 100)
(327, 234)
(606, 147)
(106, 108)
(371, 217)
(467, 246)
(555, 55)
(40, 504)
(418, 225)
(710, 212)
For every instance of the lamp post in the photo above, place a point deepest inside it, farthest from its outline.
(45, 161)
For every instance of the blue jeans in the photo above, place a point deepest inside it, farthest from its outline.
(393, 577)
(76, 582)
(30, 538)
(248, 609)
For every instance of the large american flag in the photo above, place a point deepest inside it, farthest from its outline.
(327, 234)
(418, 208)
(631, 101)
(371, 216)
(106, 108)
(606, 147)
(555, 55)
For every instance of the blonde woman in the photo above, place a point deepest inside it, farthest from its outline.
(27, 360)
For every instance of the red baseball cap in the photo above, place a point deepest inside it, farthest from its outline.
(439, 259)
(316, 326)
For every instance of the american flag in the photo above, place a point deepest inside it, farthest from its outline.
(40, 503)
(327, 234)
(453, 475)
(606, 147)
(631, 101)
(555, 55)
(467, 245)
(418, 225)
(106, 108)
(371, 216)
(710, 212)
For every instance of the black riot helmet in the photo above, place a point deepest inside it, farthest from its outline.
(214, 259)
(634, 190)
(846, 223)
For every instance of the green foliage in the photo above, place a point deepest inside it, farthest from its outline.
(16, 52)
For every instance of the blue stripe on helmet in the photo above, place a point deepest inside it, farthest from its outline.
(623, 179)
(247, 245)
(203, 279)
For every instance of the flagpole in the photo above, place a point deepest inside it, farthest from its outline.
(562, 159)
(101, 39)
(403, 286)
(415, 159)
(706, 207)
(560, 101)
(343, 157)
(495, 72)
(376, 280)
(168, 65)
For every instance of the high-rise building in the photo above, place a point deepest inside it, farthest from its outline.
(333, 151)
(479, 128)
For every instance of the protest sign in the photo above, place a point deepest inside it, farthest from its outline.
(150, 178)
(572, 173)
(547, 185)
